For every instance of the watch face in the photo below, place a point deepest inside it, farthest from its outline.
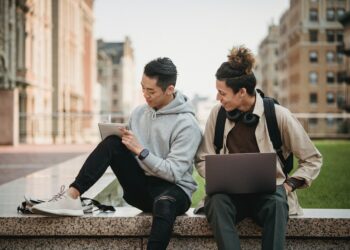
(144, 153)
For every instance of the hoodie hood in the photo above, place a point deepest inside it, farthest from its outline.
(180, 104)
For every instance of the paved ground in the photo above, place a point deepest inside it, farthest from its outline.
(19, 161)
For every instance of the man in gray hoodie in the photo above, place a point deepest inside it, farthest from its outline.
(153, 160)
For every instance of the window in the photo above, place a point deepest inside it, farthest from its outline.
(340, 12)
(340, 36)
(312, 122)
(330, 57)
(313, 77)
(115, 88)
(313, 57)
(313, 15)
(330, 77)
(313, 98)
(330, 36)
(330, 98)
(330, 121)
(341, 77)
(340, 99)
(340, 57)
(313, 35)
(115, 102)
(330, 14)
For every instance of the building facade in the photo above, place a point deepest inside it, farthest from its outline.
(268, 62)
(344, 73)
(308, 61)
(116, 73)
(35, 98)
(105, 79)
(47, 71)
(12, 67)
(73, 69)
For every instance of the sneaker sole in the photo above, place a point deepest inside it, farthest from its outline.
(62, 212)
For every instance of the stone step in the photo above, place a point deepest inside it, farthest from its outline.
(129, 221)
(128, 228)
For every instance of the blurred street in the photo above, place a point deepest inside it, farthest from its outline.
(19, 161)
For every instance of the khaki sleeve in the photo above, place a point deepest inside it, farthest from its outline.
(296, 140)
(207, 145)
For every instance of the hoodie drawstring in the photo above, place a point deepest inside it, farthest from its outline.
(154, 115)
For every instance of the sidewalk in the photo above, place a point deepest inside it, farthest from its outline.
(19, 161)
(47, 176)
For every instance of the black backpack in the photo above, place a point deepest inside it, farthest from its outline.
(272, 126)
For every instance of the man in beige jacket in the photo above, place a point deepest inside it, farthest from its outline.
(236, 92)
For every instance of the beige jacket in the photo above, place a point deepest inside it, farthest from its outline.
(294, 139)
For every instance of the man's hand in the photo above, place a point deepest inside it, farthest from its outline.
(287, 188)
(129, 140)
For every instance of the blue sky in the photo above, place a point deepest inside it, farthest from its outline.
(195, 34)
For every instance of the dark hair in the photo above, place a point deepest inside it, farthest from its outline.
(162, 69)
(237, 71)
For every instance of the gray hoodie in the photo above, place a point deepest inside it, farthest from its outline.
(172, 135)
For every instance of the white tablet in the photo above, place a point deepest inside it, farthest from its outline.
(107, 129)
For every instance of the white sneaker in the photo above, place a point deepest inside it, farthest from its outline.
(60, 204)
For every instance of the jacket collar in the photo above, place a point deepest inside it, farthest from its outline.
(259, 105)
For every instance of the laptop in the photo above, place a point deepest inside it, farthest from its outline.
(241, 173)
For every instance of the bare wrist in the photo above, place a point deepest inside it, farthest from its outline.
(288, 187)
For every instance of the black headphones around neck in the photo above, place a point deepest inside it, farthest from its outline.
(247, 118)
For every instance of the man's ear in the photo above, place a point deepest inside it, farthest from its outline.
(170, 90)
(243, 92)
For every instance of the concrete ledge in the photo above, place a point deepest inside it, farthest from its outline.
(141, 243)
(128, 228)
(128, 221)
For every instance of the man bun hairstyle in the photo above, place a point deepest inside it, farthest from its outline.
(162, 69)
(237, 72)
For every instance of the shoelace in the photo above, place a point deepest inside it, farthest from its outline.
(59, 195)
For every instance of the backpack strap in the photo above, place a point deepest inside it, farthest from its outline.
(219, 130)
(274, 133)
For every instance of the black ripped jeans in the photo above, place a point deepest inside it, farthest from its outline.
(150, 194)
